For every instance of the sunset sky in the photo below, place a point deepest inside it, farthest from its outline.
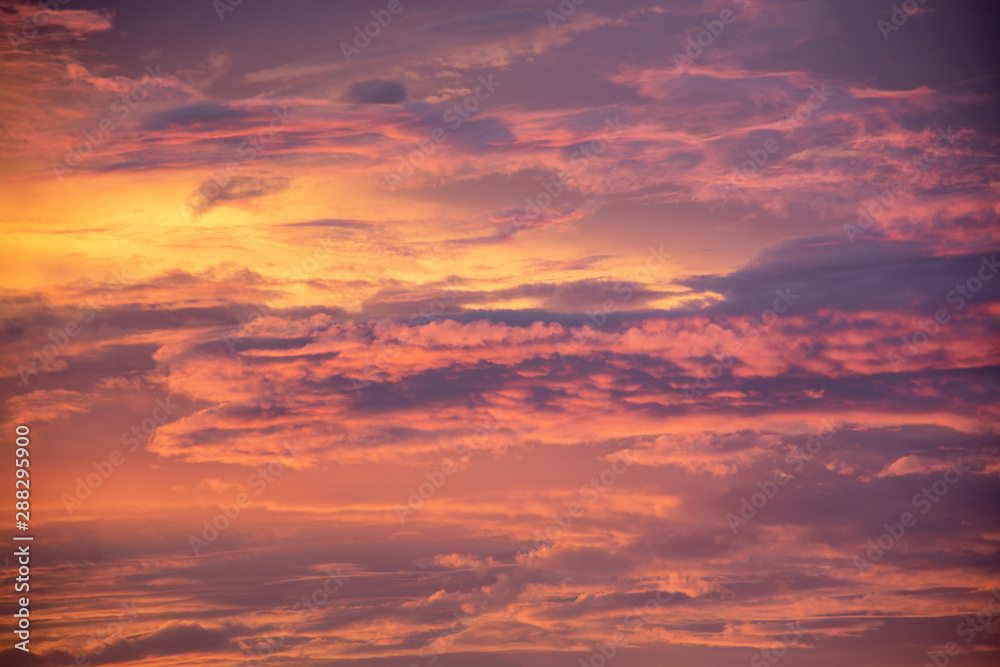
(399, 333)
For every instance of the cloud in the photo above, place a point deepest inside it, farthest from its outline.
(177, 638)
(457, 388)
(913, 465)
(200, 115)
(210, 195)
(28, 25)
(376, 92)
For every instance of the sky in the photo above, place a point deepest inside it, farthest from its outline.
(399, 333)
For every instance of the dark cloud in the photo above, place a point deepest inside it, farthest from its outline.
(376, 91)
(829, 273)
(178, 638)
(208, 115)
(210, 194)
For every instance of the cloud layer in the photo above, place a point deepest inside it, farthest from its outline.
(516, 336)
